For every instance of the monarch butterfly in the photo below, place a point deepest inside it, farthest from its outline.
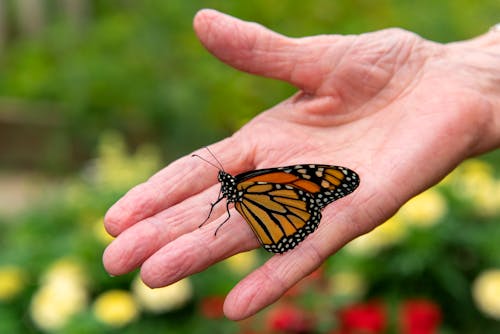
(283, 205)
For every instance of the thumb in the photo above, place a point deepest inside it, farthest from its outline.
(253, 48)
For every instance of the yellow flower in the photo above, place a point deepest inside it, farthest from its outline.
(242, 263)
(486, 292)
(487, 201)
(62, 294)
(100, 232)
(116, 308)
(12, 282)
(475, 183)
(164, 299)
(65, 270)
(425, 209)
(117, 169)
(58, 299)
(347, 284)
(387, 234)
(53, 305)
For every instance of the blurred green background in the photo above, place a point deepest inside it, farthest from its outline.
(95, 96)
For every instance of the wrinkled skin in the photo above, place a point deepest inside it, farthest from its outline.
(399, 110)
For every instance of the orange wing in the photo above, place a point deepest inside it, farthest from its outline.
(280, 217)
(283, 205)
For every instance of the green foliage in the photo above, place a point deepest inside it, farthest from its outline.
(139, 68)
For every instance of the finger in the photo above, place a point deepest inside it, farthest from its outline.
(253, 48)
(196, 251)
(132, 247)
(268, 283)
(178, 181)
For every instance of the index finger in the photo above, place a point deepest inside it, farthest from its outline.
(181, 179)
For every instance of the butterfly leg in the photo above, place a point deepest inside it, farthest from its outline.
(212, 205)
(225, 220)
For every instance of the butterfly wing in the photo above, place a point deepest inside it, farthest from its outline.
(280, 217)
(283, 205)
(324, 182)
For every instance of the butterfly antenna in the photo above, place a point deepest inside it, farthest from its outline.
(208, 162)
(213, 155)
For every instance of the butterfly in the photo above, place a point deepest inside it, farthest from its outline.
(283, 205)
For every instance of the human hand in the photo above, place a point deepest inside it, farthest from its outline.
(399, 110)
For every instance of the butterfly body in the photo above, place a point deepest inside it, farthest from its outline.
(283, 205)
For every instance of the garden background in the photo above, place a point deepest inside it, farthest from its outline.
(95, 96)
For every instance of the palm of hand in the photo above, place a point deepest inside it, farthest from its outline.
(374, 103)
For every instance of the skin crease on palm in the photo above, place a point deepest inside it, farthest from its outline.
(399, 110)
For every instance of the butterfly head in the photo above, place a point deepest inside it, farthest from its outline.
(228, 185)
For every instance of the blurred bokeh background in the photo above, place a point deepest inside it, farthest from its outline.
(95, 96)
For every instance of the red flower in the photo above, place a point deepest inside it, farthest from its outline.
(369, 318)
(420, 317)
(289, 319)
(212, 307)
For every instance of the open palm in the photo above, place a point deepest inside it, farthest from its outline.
(389, 105)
